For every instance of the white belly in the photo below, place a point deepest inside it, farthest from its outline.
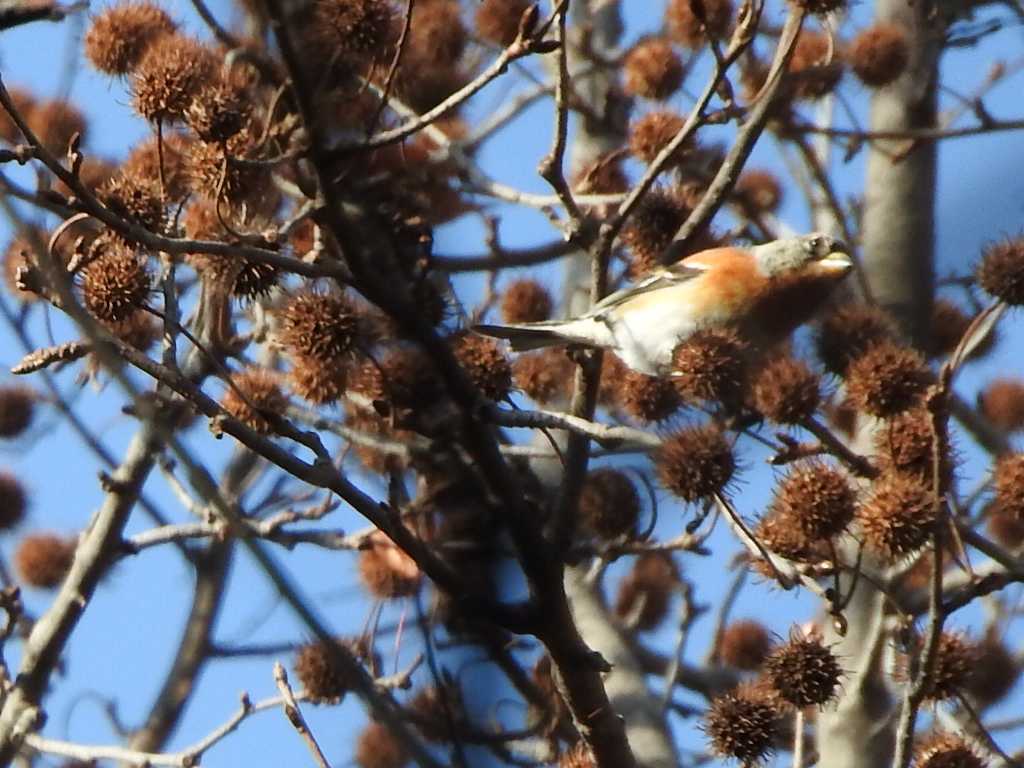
(646, 338)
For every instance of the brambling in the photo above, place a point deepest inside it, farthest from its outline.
(763, 292)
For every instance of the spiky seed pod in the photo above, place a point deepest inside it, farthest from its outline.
(817, 497)
(369, 423)
(404, 379)
(652, 69)
(497, 21)
(745, 644)
(651, 133)
(1001, 271)
(485, 363)
(262, 398)
(17, 405)
(646, 591)
(24, 102)
(355, 28)
(651, 228)
(994, 673)
(577, 756)
(321, 326)
(525, 301)
(879, 54)
(218, 112)
(948, 325)
(136, 198)
(695, 463)
(613, 371)
(804, 672)
(115, 283)
(173, 69)
(94, 172)
(783, 537)
(436, 710)
(760, 190)
(743, 724)
(139, 330)
(318, 381)
(849, 332)
(603, 176)
(324, 680)
(143, 162)
(947, 750)
(786, 390)
(904, 444)
(213, 173)
(377, 747)
(609, 504)
(13, 501)
(954, 661)
(1008, 484)
(544, 376)
(44, 559)
(691, 23)
(646, 398)
(1006, 528)
(711, 366)
(1002, 403)
(842, 416)
(815, 65)
(887, 379)
(898, 517)
(120, 34)
(386, 571)
(55, 123)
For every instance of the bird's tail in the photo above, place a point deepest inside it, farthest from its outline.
(551, 333)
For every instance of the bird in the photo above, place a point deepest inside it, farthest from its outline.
(763, 292)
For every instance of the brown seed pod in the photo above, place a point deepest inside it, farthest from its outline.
(320, 326)
(214, 172)
(879, 54)
(143, 162)
(783, 537)
(646, 398)
(804, 672)
(24, 102)
(377, 747)
(136, 198)
(543, 376)
(815, 66)
(745, 644)
(947, 750)
(904, 444)
(386, 571)
(436, 710)
(691, 23)
(318, 381)
(786, 390)
(646, 591)
(602, 176)
(1006, 528)
(369, 423)
(485, 363)
(44, 559)
(1002, 403)
(116, 282)
(497, 21)
(711, 366)
(140, 329)
(262, 398)
(743, 724)
(898, 517)
(1008, 484)
(609, 504)
(816, 497)
(13, 501)
(405, 379)
(849, 332)
(948, 325)
(695, 463)
(525, 301)
(172, 71)
(55, 123)
(324, 679)
(650, 134)
(994, 673)
(887, 379)
(955, 658)
(218, 112)
(651, 228)
(439, 36)
(357, 29)
(120, 34)
(652, 69)
(94, 172)
(1001, 271)
(17, 406)
(760, 190)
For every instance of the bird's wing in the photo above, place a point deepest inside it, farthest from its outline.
(662, 278)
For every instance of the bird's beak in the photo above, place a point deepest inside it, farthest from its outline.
(835, 263)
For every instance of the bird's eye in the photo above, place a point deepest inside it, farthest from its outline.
(814, 245)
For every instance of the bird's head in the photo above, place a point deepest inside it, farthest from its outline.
(816, 256)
